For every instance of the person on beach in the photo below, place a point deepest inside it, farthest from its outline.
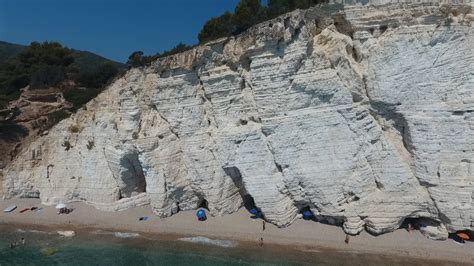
(261, 242)
(263, 225)
(409, 227)
(347, 239)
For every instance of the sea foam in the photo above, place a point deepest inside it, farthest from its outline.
(126, 235)
(208, 241)
(23, 231)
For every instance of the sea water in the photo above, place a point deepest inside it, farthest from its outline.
(121, 248)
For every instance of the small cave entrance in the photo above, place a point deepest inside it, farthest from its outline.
(330, 220)
(247, 199)
(132, 179)
(418, 223)
(409, 223)
(204, 204)
(414, 223)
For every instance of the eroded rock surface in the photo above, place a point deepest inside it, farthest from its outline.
(363, 113)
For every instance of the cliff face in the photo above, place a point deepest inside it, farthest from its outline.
(364, 113)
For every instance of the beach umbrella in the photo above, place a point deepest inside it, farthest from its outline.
(253, 211)
(463, 236)
(60, 206)
(201, 214)
(307, 215)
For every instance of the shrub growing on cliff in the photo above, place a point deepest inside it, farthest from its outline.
(138, 59)
(67, 145)
(217, 27)
(90, 144)
(74, 129)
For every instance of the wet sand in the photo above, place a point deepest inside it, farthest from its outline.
(302, 235)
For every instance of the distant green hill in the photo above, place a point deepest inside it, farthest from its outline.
(42, 65)
(83, 59)
(8, 50)
(91, 61)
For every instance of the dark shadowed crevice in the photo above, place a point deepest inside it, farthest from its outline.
(245, 62)
(279, 167)
(389, 113)
(343, 25)
(236, 177)
(204, 204)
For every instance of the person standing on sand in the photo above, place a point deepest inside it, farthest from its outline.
(263, 225)
(347, 239)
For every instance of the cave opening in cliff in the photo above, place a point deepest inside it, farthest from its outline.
(415, 223)
(307, 213)
(247, 199)
(132, 180)
(204, 204)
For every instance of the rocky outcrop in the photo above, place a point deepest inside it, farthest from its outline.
(28, 117)
(364, 113)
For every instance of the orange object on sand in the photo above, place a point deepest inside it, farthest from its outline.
(463, 236)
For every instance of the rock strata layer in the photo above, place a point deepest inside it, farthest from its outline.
(362, 112)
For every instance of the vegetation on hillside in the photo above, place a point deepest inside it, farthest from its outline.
(246, 14)
(8, 50)
(138, 59)
(49, 64)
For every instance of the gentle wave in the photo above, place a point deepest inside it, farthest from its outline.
(126, 235)
(208, 241)
(22, 231)
(101, 232)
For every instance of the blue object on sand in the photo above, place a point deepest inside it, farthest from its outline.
(253, 211)
(308, 215)
(144, 218)
(201, 215)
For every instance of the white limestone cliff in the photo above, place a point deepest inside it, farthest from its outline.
(363, 113)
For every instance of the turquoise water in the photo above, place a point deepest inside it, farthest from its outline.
(88, 248)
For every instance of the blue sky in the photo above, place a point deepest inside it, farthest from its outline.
(111, 28)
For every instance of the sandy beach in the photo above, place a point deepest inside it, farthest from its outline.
(302, 235)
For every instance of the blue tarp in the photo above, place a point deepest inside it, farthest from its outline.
(308, 215)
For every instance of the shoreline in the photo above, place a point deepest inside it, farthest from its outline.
(306, 236)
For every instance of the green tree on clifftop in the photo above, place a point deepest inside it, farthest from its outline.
(247, 13)
(217, 27)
